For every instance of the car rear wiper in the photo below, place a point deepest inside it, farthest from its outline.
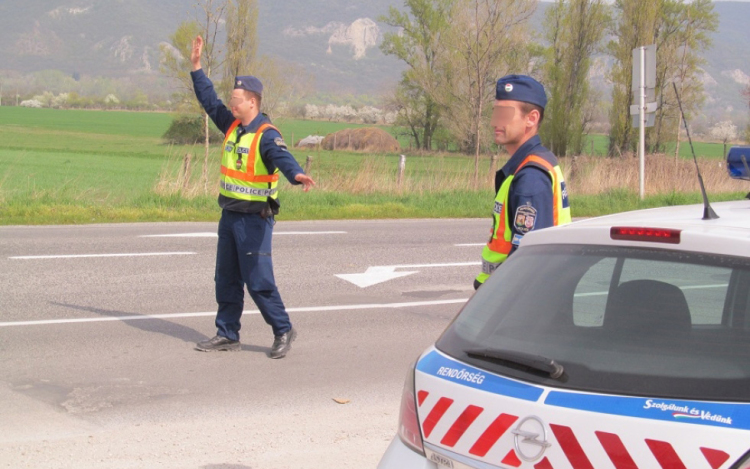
(536, 362)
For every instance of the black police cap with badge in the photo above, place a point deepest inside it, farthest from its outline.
(521, 88)
(249, 83)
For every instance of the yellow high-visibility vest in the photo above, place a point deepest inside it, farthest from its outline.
(244, 176)
(500, 244)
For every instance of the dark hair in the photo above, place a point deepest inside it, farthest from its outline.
(253, 94)
(526, 108)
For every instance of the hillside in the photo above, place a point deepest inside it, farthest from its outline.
(335, 40)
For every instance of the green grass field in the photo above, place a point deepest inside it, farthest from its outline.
(702, 149)
(71, 166)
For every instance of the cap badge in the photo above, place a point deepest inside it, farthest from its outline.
(239, 83)
(508, 87)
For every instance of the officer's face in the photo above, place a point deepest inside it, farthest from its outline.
(510, 123)
(240, 104)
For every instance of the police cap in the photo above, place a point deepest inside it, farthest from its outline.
(521, 88)
(249, 83)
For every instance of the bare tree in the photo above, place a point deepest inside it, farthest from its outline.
(282, 82)
(574, 30)
(680, 31)
(242, 41)
(725, 132)
(486, 39)
(420, 44)
(175, 65)
(211, 18)
(683, 36)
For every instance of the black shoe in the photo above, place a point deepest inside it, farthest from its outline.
(217, 344)
(282, 343)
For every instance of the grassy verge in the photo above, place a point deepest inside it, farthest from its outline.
(71, 167)
(296, 205)
(619, 200)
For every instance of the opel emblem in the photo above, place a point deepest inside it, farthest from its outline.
(530, 439)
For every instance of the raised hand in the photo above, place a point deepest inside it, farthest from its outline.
(195, 54)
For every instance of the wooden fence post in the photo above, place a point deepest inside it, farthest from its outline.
(186, 170)
(401, 167)
(308, 163)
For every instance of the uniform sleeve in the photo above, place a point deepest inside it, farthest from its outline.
(531, 203)
(275, 154)
(216, 110)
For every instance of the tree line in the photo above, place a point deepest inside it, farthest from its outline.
(455, 50)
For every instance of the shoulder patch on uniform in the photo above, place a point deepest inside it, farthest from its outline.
(564, 194)
(280, 142)
(525, 218)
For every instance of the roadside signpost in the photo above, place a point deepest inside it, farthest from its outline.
(644, 93)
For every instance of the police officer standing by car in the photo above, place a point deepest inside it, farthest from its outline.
(530, 189)
(253, 155)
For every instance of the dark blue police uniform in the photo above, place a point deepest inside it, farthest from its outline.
(531, 187)
(244, 248)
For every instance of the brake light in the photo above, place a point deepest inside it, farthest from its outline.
(743, 462)
(408, 422)
(654, 235)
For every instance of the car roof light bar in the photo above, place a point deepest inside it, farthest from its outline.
(652, 235)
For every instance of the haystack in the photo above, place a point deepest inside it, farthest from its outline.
(367, 139)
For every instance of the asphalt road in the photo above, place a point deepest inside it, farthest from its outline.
(98, 323)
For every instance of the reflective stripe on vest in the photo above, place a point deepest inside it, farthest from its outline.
(501, 243)
(247, 190)
(253, 183)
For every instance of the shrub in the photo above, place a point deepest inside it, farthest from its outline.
(188, 130)
(31, 103)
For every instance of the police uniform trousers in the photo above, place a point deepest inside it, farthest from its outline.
(243, 257)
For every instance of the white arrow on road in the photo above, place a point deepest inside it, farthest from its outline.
(383, 273)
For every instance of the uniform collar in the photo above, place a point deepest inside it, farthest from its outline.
(523, 151)
(252, 127)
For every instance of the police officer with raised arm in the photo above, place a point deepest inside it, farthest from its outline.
(253, 155)
(530, 189)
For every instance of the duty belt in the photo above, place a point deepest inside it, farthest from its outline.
(247, 190)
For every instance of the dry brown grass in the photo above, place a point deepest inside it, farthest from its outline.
(595, 175)
(377, 174)
(183, 176)
(366, 139)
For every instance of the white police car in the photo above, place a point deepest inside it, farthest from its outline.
(617, 342)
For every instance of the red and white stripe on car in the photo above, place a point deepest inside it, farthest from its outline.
(508, 423)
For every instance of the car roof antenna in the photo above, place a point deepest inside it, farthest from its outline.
(708, 212)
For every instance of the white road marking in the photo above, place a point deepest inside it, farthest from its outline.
(77, 256)
(470, 244)
(383, 273)
(309, 309)
(181, 235)
(214, 235)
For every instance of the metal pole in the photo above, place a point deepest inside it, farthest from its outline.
(642, 117)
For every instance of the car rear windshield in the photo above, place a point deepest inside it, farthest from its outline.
(619, 320)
